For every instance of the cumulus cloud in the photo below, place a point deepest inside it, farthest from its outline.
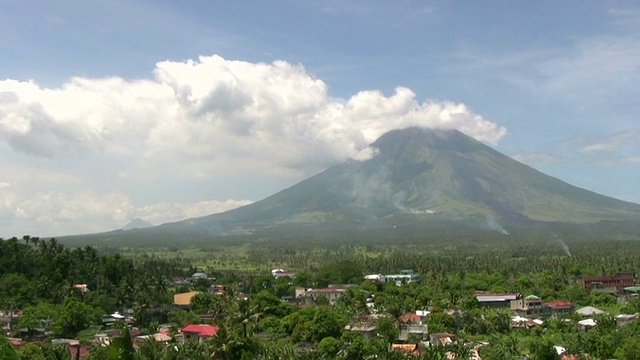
(220, 110)
(105, 141)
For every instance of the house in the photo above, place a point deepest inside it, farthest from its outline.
(298, 298)
(529, 307)
(497, 300)
(374, 277)
(558, 308)
(615, 283)
(199, 333)
(628, 293)
(416, 318)
(218, 289)
(280, 273)
(184, 299)
(366, 328)
(624, 319)
(422, 314)
(110, 319)
(411, 318)
(408, 349)
(199, 276)
(587, 324)
(161, 337)
(562, 353)
(332, 294)
(8, 316)
(81, 287)
(521, 322)
(406, 330)
(441, 339)
(404, 277)
(180, 282)
(589, 311)
(342, 286)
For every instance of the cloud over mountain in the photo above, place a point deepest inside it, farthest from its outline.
(217, 109)
(197, 119)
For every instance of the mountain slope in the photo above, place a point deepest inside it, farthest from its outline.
(426, 172)
(421, 179)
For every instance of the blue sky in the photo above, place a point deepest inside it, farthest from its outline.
(111, 110)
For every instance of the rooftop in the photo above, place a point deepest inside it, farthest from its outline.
(559, 304)
(184, 299)
(490, 297)
(414, 318)
(326, 291)
(201, 330)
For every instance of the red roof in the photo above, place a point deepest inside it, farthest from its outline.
(201, 330)
(15, 342)
(414, 318)
(406, 348)
(559, 304)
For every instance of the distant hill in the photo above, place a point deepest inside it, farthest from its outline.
(420, 183)
(137, 223)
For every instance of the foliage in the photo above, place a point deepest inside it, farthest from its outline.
(74, 317)
(7, 352)
(259, 325)
(329, 346)
(41, 315)
(388, 329)
(121, 348)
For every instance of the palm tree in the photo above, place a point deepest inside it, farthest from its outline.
(226, 345)
(150, 349)
(280, 350)
(435, 353)
(246, 313)
(121, 348)
(459, 350)
(189, 350)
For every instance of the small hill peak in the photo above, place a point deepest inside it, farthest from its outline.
(137, 223)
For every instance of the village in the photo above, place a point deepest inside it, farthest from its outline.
(413, 334)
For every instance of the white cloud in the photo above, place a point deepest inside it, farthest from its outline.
(597, 72)
(594, 67)
(612, 142)
(81, 212)
(220, 110)
(107, 140)
(169, 212)
(617, 149)
(539, 158)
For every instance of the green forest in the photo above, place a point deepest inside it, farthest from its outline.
(51, 291)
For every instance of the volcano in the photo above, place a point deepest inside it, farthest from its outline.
(419, 180)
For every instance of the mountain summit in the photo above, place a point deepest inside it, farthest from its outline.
(418, 179)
